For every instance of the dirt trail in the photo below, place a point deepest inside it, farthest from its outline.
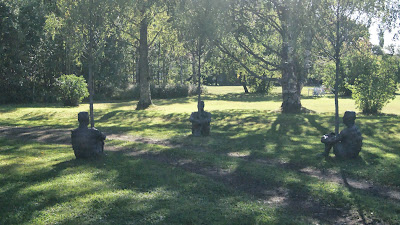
(63, 136)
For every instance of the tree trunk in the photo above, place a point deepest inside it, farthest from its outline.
(158, 63)
(137, 68)
(199, 87)
(181, 69)
(164, 72)
(91, 93)
(91, 86)
(133, 67)
(194, 77)
(244, 83)
(337, 63)
(290, 90)
(145, 94)
(290, 96)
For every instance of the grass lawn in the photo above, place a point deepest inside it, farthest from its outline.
(257, 167)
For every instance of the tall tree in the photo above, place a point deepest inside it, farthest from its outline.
(195, 21)
(145, 94)
(271, 34)
(87, 23)
(139, 16)
(341, 24)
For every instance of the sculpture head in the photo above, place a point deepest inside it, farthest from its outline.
(83, 118)
(200, 106)
(349, 118)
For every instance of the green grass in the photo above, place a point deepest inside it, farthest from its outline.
(252, 170)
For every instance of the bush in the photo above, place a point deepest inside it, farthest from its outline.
(161, 92)
(376, 86)
(261, 86)
(72, 89)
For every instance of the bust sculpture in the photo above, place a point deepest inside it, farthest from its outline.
(347, 144)
(200, 121)
(87, 142)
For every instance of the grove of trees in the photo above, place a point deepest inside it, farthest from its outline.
(120, 44)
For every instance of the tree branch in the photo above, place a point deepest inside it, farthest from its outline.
(155, 37)
(231, 55)
(268, 19)
(247, 49)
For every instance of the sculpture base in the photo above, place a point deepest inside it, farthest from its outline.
(199, 130)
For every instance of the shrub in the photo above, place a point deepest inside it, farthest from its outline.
(376, 86)
(72, 89)
(161, 91)
(262, 86)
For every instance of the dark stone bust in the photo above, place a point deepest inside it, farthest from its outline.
(87, 142)
(347, 144)
(200, 121)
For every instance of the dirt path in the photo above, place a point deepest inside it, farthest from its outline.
(63, 136)
(269, 195)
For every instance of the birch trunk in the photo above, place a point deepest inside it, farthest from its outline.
(290, 89)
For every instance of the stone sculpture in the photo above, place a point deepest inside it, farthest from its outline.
(347, 144)
(87, 142)
(200, 121)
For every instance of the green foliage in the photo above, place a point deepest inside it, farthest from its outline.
(161, 91)
(175, 91)
(72, 89)
(262, 86)
(375, 84)
(10, 66)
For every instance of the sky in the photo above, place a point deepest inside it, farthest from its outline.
(388, 37)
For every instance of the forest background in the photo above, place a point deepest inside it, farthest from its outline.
(136, 49)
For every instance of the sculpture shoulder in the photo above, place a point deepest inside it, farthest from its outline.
(352, 130)
(79, 131)
(97, 133)
(193, 115)
(357, 129)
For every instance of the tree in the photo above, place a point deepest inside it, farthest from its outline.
(375, 83)
(145, 94)
(11, 75)
(30, 58)
(270, 35)
(137, 17)
(340, 25)
(86, 23)
(195, 21)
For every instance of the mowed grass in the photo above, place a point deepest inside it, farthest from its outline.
(258, 167)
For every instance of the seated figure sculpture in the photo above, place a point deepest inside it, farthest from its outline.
(200, 121)
(87, 142)
(347, 144)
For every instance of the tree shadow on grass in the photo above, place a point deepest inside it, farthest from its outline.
(195, 188)
(242, 97)
(265, 181)
(365, 194)
(182, 100)
(118, 189)
(268, 182)
(42, 117)
(24, 201)
(7, 109)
